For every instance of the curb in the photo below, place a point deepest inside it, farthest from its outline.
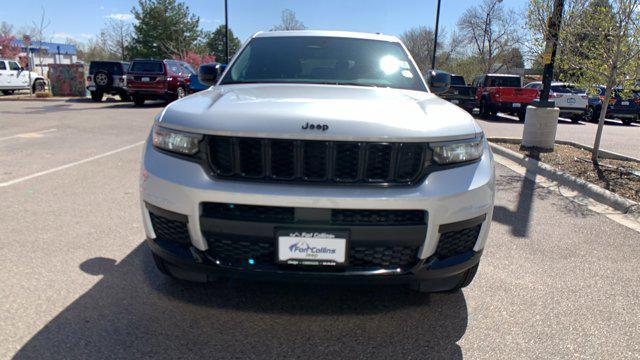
(605, 154)
(588, 189)
(33, 98)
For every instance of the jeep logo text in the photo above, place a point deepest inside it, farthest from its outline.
(322, 127)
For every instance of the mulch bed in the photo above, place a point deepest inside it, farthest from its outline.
(617, 176)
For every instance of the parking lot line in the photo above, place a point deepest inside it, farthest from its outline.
(33, 134)
(66, 166)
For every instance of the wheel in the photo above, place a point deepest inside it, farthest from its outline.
(462, 281)
(38, 85)
(627, 122)
(485, 113)
(138, 101)
(162, 266)
(521, 115)
(7, 92)
(102, 78)
(576, 119)
(592, 115)
(125, 97)
(468, 278)
(96, 96)
(180, 92)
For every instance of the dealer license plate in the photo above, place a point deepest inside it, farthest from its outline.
(516, 105)
(312, 248)
(145, 79)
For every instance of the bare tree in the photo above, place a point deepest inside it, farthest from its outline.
(118, 34)
(419, 42)
(37, 34)
(289, 22)
(491, 32)
(6, 29)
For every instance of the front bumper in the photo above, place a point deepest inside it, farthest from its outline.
(447, 197)
(572, 111)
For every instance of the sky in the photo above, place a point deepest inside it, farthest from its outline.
(83, 19)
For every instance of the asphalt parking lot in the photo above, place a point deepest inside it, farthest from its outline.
(616, 136)
(556, 280)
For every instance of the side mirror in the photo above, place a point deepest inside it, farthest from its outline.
(208, 74)
(439, 81)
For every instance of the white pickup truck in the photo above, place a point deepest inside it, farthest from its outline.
(14, 77)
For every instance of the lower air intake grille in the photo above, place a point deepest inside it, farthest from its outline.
(385, 257)
(238, 251)
(170, 230)
(457, 242)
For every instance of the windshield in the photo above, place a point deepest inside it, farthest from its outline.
(324, 60)
(566, 89)
(147, 67)
(504, 81)
(457, 80)
(113, 68)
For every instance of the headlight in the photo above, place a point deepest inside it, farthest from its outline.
(457, 151)
(176, 141)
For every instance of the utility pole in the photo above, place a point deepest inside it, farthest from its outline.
(549, 56)
(226, 33)
(541, 119)
(435, 38)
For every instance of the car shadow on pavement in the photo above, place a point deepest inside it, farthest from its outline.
(134, 311)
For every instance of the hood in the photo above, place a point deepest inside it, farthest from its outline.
(342, 112)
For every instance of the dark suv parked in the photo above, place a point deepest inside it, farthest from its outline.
(158, 80)
(108, 77)
(623, 105)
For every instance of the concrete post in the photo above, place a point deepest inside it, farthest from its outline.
(540, 125)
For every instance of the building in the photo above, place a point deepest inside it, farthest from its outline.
(40, 54)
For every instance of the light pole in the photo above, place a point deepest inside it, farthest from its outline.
(226, 34)
(541, 120)
(435, 38)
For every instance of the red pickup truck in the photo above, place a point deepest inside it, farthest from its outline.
(502, 93)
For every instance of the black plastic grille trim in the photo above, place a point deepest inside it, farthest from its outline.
(248, 212)
(170, 230)
(382, 217)
(457, 242)
(346, 217)
(311, 161)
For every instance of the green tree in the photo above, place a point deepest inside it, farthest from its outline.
(163, 29)
(214, 43)
(610, 32)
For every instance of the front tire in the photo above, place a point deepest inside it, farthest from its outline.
(485, 112)
(463, 281)
(522, 115)
(39, 86)
(180, 93)
(7, 92)
(96, 96)
(138, 101)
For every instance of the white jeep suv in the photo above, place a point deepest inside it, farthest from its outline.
(13, 77)
(318, 155)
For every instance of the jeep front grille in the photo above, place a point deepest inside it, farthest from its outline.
(310, 161)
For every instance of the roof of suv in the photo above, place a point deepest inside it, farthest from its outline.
(327, 33)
